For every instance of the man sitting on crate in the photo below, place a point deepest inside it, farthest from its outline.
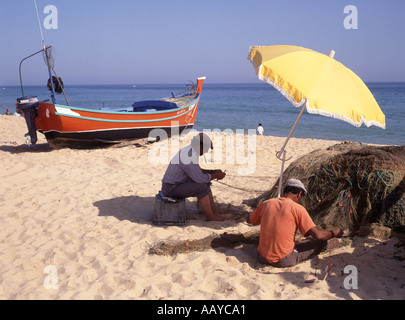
(184, 177)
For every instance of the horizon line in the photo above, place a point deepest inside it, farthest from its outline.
(147, 84)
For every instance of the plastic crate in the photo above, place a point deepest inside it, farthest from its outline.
(169, 211)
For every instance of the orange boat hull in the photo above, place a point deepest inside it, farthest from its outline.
(70, 124)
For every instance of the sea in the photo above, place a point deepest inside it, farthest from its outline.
(239, 108)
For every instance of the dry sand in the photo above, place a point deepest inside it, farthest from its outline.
(77, 224)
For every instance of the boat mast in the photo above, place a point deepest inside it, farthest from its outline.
(46, 54)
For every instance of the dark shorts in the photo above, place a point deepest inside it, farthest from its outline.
(186, 190)
(306, 249)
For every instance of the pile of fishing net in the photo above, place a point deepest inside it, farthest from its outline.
(350, 185)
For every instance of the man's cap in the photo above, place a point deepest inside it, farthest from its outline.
(295, 183)
(201, 139)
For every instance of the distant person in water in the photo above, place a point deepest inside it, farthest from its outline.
(8, 113)
(184, 177)
(260, 130)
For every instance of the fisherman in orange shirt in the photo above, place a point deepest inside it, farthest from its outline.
(279, 220)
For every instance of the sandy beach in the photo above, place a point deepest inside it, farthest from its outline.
(78, 224)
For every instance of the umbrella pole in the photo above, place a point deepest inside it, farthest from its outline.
(293, 128)
(280, 182)
(281, 155)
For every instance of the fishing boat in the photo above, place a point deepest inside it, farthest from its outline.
(65, 125)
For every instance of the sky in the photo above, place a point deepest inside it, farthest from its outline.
(167, 42)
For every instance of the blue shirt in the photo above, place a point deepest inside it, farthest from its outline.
(184, 167)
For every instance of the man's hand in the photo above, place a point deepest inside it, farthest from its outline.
(321, 234)
(218, 175)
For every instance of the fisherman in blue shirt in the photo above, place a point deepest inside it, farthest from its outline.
(184, 177)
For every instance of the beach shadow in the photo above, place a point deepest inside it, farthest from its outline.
(370, 271)
(141, 209)
(242, 253)
(131, 208)
(362, 274)
(25, 148)
(370, 267)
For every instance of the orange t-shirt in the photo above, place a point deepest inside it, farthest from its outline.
(279, 221)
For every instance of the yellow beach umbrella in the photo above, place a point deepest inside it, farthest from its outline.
(318, 82)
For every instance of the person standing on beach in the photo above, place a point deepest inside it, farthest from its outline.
(184, 177)
(279, 220)
(260, 130)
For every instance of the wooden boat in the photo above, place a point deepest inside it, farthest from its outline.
(72, 126)
(64, 125)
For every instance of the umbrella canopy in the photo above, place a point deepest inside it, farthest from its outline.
(330, 88)
(323, 85)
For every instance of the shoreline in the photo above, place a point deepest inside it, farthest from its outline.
(77, 224)
(15, 138)
(267, 106)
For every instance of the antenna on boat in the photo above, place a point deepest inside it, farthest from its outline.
(55, 84)
(45, 52)
(39, 23)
